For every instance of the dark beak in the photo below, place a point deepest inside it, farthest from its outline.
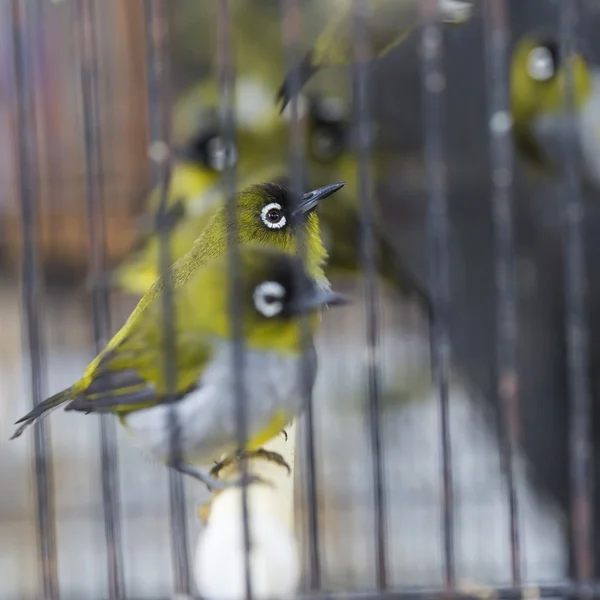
(319, 297)
(310, 200)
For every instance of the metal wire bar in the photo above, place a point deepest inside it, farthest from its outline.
(226, 84)
(94, 196)
(291, 39)
(434, 83)
(563, 589)
(160, 109)
(502, 175)
(360, 76)
(575, 314)
(23, 13)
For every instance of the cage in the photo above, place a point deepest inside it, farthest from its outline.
(448, 446)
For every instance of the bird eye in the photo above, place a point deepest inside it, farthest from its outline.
(218, 155)
(540, 64)
(272, 216)
(268, 298)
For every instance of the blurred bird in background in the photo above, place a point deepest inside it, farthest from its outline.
(260, 152)
(388, 24)
(195, 189)
(537, 86)
(332, 151)
(538, 206)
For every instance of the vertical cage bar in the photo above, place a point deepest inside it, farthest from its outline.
(88, 57)
(160, 133)
(227, 98)
(291, 39)
(501, 163)
(23, 13)
(434, 83)
(575, 317)
(360, 76)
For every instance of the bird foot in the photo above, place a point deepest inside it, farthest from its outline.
(260, 453)
(285, 434)
(211, 481)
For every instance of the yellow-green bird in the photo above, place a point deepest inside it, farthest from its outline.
(537, 93)
(196, 174)
(388, 23)
(127, 379)
(330, 147)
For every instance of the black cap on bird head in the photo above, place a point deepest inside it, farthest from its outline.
(285, 290)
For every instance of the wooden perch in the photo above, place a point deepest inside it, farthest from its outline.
(274, 558)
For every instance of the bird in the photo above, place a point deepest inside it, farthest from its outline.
(267, 214)
(331, 152)
(127, 379)
(196, 174)
(539, 111)
(387, 24)
(195, 188)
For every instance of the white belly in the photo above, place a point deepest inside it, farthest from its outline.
(549, 131)
(206, 416)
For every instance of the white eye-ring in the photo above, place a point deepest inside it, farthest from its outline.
(218, 157)
(267, 298)
(540, 64)
(272, 216)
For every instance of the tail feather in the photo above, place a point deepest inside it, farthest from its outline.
(296, 78)
(41, 410)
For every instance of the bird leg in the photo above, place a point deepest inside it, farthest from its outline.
(259, 453)
(209, 480)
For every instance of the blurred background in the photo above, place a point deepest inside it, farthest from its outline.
(410, 413)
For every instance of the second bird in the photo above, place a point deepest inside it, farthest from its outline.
(128, 378)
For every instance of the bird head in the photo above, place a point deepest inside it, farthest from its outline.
(276, 291)
(270, 214)
(328, 127)
(537, 80)
(278, 287)
(207, 149)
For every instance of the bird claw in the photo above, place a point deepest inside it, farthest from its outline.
(260, 453)
(285, 434)
(212, 482)
(244, 480)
